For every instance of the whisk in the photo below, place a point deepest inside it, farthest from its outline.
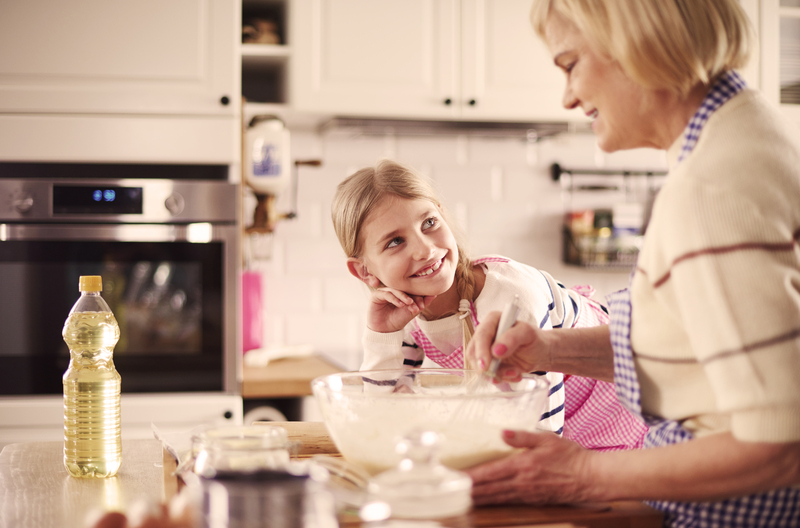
(482, 380)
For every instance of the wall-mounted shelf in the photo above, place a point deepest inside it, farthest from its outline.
(605, 232)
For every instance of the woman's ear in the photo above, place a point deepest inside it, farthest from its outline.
(359, 270)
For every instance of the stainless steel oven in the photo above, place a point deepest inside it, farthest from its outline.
(167, 251)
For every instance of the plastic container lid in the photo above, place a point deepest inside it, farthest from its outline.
(90, 283)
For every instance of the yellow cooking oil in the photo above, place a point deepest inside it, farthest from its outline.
(92, 422)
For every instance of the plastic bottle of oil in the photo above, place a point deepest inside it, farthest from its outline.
(92, 433)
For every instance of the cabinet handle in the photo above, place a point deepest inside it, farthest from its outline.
(448, 101)
(224, 100)
(473, 102)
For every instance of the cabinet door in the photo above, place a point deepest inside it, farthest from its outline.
(375, 57)
(780, 54)
(508, 72)
(116, 56)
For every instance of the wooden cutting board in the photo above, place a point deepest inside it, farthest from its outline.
(313, 437)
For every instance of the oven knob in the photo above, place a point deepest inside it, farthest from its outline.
(23, 202)
(175, 204)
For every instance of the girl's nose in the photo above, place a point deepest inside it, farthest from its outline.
(422, 248)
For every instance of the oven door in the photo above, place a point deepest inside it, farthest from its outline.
(171, 288)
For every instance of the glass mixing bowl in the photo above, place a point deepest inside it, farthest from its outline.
(368, 412)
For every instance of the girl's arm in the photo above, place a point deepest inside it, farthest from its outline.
(553, 470)
(392, 350)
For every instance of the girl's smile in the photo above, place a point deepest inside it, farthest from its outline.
(427, 271)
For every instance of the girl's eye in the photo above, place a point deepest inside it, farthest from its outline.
(428, 223)
(396, 241)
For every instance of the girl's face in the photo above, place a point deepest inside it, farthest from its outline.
(617, 105)
(407, 246)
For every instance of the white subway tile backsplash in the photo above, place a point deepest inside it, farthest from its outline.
(417, 150)
(294, 294)
(490, 151)
(307, 222)
(318, 183)
(306, 145)
(470, 183)
(345, 293)
(306, 257)
(333, 334)
(341, 150)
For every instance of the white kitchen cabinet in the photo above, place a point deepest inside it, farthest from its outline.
(116, 57)
(780, 54)
(429, 59)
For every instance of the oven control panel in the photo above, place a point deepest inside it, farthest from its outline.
(125, 201)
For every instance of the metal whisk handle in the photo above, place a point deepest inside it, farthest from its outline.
(507, 320)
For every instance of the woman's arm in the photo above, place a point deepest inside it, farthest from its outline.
(554, 470)
(525, 348)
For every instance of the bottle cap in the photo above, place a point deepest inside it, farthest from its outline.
(91, 283)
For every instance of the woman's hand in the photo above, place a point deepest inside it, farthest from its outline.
(526, 348)
(390, 310)
(522, 348)
(550, 470)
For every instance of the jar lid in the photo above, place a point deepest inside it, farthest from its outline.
(420, 486)
(90, 283)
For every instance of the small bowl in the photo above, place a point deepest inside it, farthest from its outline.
(368, 412)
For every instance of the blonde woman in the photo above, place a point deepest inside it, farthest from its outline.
(427, 296)
(705, 342)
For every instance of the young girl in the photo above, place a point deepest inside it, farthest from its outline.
(427, 296)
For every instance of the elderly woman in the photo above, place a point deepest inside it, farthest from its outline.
(705, 342)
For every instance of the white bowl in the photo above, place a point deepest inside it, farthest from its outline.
(367, 412)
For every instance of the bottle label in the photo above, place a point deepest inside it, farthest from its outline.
(266, 159)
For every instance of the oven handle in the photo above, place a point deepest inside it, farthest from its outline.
(199, 232)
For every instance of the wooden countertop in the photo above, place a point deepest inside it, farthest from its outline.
(314, 440)
(37, 492)
(285, 378)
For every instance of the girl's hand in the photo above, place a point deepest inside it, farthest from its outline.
(390, 310)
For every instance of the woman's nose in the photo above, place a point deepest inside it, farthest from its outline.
(569, 100)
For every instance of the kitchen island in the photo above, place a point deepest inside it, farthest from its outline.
(37, 492)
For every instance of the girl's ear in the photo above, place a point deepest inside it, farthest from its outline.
(359, 270)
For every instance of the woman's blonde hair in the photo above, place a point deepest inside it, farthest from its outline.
(661, 44)
(357, 197)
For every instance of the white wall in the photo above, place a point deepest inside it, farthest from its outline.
(499, 190)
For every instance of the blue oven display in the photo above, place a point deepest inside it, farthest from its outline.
(91, 199)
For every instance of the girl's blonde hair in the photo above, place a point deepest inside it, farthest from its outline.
(356, 198)
(661, 44)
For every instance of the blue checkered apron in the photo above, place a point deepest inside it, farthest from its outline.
(779, 508)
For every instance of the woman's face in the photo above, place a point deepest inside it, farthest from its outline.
(617, 106)
(408, 247)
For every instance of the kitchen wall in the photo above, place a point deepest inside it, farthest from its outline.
(499, 190)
